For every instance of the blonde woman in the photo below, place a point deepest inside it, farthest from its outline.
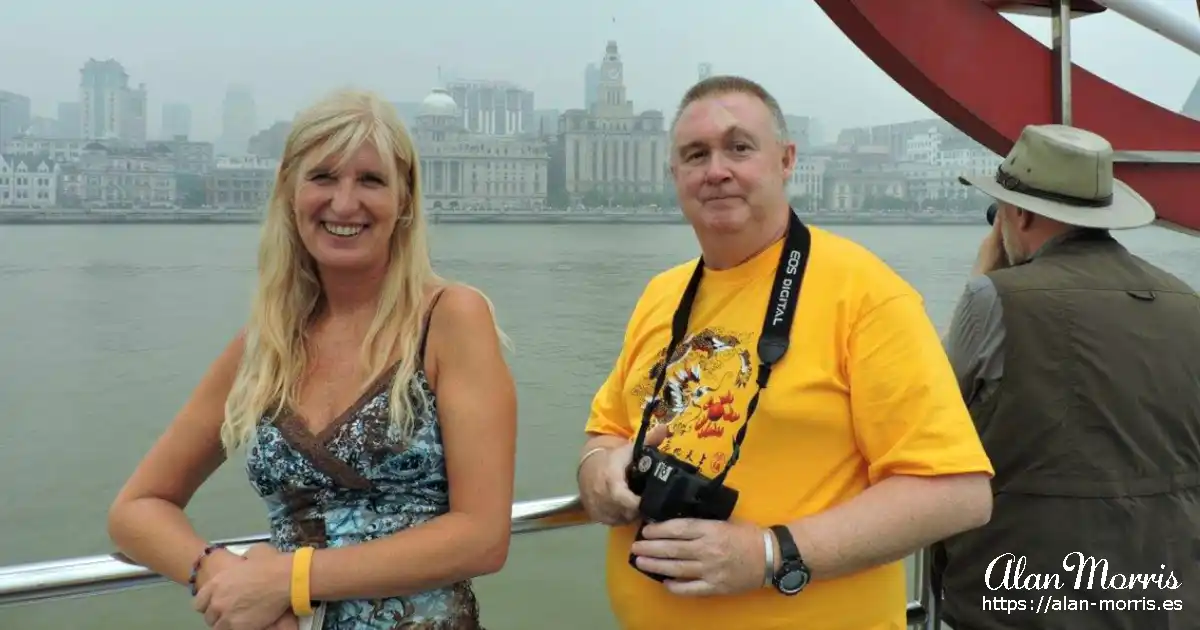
(372, 396)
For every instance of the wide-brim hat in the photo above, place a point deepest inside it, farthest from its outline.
(1066, 174)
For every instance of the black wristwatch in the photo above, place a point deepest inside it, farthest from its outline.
(793, 574)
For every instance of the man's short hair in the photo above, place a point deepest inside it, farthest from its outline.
(730, 84)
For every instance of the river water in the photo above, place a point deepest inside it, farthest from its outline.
(104, 331)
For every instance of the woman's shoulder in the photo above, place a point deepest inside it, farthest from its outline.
(461, 305)
(465, 315)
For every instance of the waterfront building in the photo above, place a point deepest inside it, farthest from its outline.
(241, 182)
(806, 186)
(123, 177)
(611, 154)
(934, 160)
(190, 156)
(28, 181)
(57, 149)
(465, 169)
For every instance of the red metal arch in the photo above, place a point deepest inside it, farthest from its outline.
(985, 76)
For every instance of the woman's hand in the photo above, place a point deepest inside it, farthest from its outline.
(289, 621)
(252, 595)
(215, 563)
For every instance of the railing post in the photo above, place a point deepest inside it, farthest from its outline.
(1060, 55)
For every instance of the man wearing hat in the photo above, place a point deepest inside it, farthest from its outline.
(1080, 364)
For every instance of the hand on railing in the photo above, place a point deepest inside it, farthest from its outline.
(289, 621)
(95, 575)
(253, 593)
(215, 563)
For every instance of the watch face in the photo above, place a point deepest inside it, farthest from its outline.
(793, 581)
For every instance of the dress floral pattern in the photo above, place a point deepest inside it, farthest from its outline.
(356, 481)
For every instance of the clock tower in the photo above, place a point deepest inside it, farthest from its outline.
(610, 97)
(610, 155)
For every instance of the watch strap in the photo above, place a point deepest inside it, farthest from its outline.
(788, 551)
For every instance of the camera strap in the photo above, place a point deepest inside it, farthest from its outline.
(772, 343)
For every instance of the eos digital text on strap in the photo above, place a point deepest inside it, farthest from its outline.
(671, 488)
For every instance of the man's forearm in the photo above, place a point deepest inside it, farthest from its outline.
(891, 520)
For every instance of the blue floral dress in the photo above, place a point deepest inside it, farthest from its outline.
(355, 481)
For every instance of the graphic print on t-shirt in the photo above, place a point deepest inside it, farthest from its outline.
(704, 396)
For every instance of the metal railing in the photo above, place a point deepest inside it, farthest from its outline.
(97, 575)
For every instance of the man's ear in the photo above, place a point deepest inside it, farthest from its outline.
(1024, 217)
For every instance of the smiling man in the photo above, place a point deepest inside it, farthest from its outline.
(802, 434)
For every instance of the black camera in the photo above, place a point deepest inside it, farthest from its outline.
(671, 488)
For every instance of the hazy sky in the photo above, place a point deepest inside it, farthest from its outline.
(292, 50)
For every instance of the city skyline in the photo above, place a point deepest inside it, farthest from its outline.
(487, 142)
(794, 51)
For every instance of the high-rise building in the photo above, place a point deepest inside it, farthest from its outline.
(495, 108)
(15, 115)
(102, 88)
(134, 116)
(704, 71)
(176, 120)
(108, 108)
(238, 120)
(591, 84)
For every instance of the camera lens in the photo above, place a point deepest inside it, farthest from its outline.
(991, 214)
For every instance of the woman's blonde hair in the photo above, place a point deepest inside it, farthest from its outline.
(289, 294)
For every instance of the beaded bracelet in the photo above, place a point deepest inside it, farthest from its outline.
(196, 566)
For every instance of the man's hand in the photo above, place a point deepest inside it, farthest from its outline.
(702, 557)
(991, 251)
(603, 488)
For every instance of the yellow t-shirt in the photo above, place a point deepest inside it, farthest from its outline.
(864, 392)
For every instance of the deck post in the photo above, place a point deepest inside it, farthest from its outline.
(1060, 55)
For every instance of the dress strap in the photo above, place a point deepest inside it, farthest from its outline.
(425, 326)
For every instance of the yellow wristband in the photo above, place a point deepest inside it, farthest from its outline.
(301, 569)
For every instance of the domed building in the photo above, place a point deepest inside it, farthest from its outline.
(439, 110)
(465, 170)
